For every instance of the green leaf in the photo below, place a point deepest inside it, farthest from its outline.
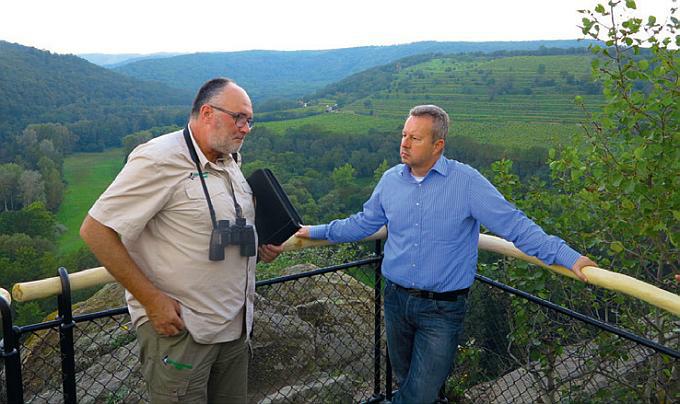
(631, 4)
(617, 247)
(599, 9)
(626, 203)
(639, 152)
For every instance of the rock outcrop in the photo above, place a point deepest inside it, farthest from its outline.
(312, 342)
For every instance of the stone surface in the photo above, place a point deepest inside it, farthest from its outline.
(312, 342)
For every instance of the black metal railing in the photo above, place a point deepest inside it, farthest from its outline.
(560, 355)
(318, 337)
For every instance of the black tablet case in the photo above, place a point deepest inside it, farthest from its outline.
(275, 217)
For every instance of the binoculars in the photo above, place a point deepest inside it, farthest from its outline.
(240, 234)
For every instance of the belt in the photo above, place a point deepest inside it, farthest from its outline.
(451, 296)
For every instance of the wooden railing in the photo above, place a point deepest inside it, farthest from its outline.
(27, 291)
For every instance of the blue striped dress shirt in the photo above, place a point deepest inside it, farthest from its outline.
(433, 226)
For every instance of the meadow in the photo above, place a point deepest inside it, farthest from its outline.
(512, 133)
(87, 175)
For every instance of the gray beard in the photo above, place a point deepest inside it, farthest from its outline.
(225, 147)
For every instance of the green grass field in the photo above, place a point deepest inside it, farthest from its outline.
(339, 122)
(511, 133)
(87, 175)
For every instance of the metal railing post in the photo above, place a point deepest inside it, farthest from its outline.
(377, 329)
(10, 354)
(68, 363)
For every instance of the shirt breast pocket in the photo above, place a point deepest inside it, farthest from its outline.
(196, 201)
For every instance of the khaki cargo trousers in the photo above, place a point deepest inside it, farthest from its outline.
(177, 369)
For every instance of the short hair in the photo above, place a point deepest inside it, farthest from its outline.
(440, 119)
(208, 91)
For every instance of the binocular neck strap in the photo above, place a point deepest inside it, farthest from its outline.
(194, 157)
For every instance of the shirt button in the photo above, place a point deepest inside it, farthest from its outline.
(416, 224)
(414, 265)
(417, 204)
(416, 244)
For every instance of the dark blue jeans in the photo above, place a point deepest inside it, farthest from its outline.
(422, 337)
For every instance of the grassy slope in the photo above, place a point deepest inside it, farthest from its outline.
(530, 114)
(505, 133)
(464, 89)
(340, 122)
(87, 176)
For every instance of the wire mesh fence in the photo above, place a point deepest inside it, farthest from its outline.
(106, 365)
(314, 341)
(552, 357)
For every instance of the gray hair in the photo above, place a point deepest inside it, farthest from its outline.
(440, 119)
(208, 91)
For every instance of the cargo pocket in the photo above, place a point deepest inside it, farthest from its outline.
(167, 379)
(166, 382)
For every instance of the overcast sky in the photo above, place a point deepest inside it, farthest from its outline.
(147, 26)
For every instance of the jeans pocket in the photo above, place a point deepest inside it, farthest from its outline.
(454, 309)
(389, 288)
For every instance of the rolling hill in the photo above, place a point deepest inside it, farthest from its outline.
(512, 100)
(518, 88)
(38, 86)
(119, 59)
(292, 74)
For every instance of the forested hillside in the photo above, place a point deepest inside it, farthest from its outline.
(50, 106)
(270, 74)
(99, 106)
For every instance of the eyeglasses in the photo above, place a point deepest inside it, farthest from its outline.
(240, 119)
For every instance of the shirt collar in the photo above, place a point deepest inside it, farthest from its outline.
(441, 166)
(219, 164)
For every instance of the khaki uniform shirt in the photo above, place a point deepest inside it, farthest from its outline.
(157, 206)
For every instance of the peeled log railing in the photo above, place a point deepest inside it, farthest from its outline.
(5, 295)
(27, 291)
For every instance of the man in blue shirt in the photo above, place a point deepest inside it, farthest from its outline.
(433, 208)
